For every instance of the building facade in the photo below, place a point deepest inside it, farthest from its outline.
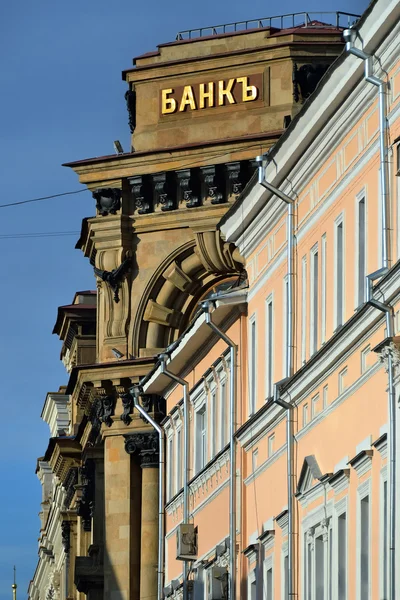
(229, 424)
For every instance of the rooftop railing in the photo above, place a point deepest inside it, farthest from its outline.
(335, 20)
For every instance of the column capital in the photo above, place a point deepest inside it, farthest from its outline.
(145, 446)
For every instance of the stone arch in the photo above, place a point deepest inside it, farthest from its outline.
(170, 298)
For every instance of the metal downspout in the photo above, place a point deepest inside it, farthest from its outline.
(207, 308)
(289, 372)
(349, 35)
(136, 391)
(163, 363)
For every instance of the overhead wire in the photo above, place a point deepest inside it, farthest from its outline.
(44, 198)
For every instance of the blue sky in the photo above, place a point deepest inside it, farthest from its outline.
(62, 99)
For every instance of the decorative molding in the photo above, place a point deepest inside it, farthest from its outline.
(392, 350)
(340, 480)
(108, 200)
(362, 462)
(214, 184)
(187, 183)
(381, 445)
(145, 446)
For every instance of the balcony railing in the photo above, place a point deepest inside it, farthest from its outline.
(335, 20)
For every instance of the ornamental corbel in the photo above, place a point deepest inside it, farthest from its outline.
(115, 277)
(108, 200)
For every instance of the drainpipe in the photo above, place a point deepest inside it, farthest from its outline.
(289, 372)
(136, 391)
(207, 307)
(388, 310)
(349, 36)
(163, 364)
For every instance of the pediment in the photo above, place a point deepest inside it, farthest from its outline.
(310, 474)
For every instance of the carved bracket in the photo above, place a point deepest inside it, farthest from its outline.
(186, 183)
(162, 192)
(145, 446)
(115, 277)
(141, 195)
(130, 99)
(127, 403)
(154, 404)
(305, 80)
(108, 200)
(85, 505)
(66, 535)
(235, 184)
(214, 184)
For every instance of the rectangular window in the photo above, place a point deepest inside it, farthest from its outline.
(223, 413)
(342, 380)
(384, 555)
(213, 422)
(361, 251)
(314, 406)
(325, 396)
(339, 275)
(270, 347)
(319, 568)
(179, 458)
(305, 415)
(269, 584)
(201, 438)
(314, 302)
(253, 366)
(271, 445)
(364, 358)
(285, 329)
(303, 309)
(170, 468)
(342, 556)
(286, 577)
(364, 558)
(323, 289)
(254, 460)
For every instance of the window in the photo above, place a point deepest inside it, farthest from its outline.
(201, 438)
(269, 584)
(364, 358)
(325, 396)
(269, 347)
(252, 583)
(384, 539)
(179, 458)
(213, 422)
(285, 586)
(254, 460)
(314, 301)
(253, 366)
(285, 329)
(323, 289)
(364, 550)
(271, 444)
(314, 406)
(363, 555)
(305, 414)
(170, 467)
(342, 380)
(361, 250)
(303, 308)
(317, 561)
(223, 411)
(339, 274)
(268, 577)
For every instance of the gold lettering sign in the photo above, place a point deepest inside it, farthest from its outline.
(200, 96)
